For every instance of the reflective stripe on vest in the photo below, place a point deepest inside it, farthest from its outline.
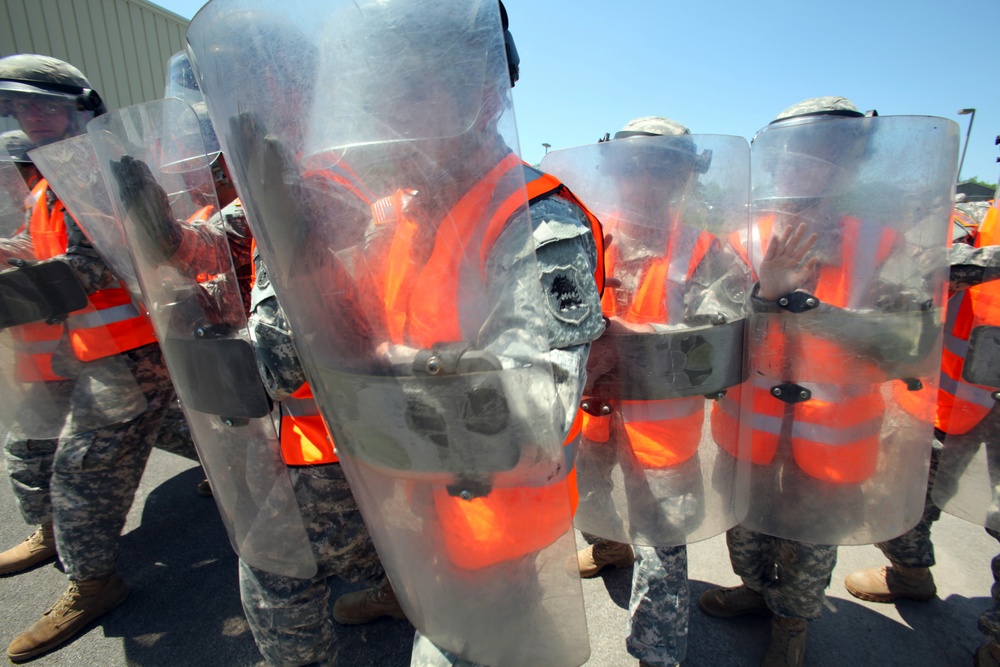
(100, 318)
(646, 411)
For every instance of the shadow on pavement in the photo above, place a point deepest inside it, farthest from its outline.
(848, 633)
(185, 607)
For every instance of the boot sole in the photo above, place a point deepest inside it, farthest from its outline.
(356, 621)
(748, 612)
(26, 566)
(56, 643)
(891, 597)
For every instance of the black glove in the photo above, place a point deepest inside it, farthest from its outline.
(148, 209)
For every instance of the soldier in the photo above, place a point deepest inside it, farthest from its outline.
(463, 481)
(967, 424)
(672, 289)
(820, 388)
(289, 611)
(79, 484)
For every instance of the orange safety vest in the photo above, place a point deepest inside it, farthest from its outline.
(958, 406)
(662, 433)
(421, 310)
(834, 434)
(110, 326)
(305, 439)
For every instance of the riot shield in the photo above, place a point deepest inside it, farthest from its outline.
(968, 478)
(42, 382)
(199, 319)
(181, 82)
(398, 242)
(838, 368)
(648, 470)
(71, 168)
(14, 196)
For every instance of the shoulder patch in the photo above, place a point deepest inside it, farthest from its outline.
(562, 292)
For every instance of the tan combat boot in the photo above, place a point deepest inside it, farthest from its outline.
(598, 556)
(38, 547)
(788, 643)
(367, 605)
(729, 602)
(83, 602)
(892, 582)
(987, 655)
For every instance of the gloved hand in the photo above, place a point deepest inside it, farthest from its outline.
(276, 195)
(148, 209)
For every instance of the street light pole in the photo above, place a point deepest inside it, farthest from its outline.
(965, 112)
(547, 147)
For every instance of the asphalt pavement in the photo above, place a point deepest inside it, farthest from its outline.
(184, 609)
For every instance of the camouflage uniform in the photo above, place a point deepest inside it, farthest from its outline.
(792, 576)
(563, 244)
(660, 605)
(914, 547)
(86, 482)
(290, 618)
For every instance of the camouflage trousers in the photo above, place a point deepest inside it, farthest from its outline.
(792, 576)
(914, 547)
(291, 618)
(660, 605)
(86, 482)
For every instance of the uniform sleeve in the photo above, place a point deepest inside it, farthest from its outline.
(88, 266)
(973, 266)
(558, 291)
(277, 359)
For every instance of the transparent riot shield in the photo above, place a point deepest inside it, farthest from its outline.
(647, 468)
(186, 273)
(47, 391)
(70, 166)
(377, 166)
(968, 478)
(181, 82)
(837, 428)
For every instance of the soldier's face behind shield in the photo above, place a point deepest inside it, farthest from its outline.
(44, 120)
(655, 182)
(819, 157)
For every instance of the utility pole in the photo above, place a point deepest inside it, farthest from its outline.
(965, 112)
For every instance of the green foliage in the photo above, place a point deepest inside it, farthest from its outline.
(979, 181)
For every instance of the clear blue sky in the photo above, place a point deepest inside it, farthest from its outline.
(729, 66)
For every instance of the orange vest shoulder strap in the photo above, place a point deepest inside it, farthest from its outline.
(540, 185)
